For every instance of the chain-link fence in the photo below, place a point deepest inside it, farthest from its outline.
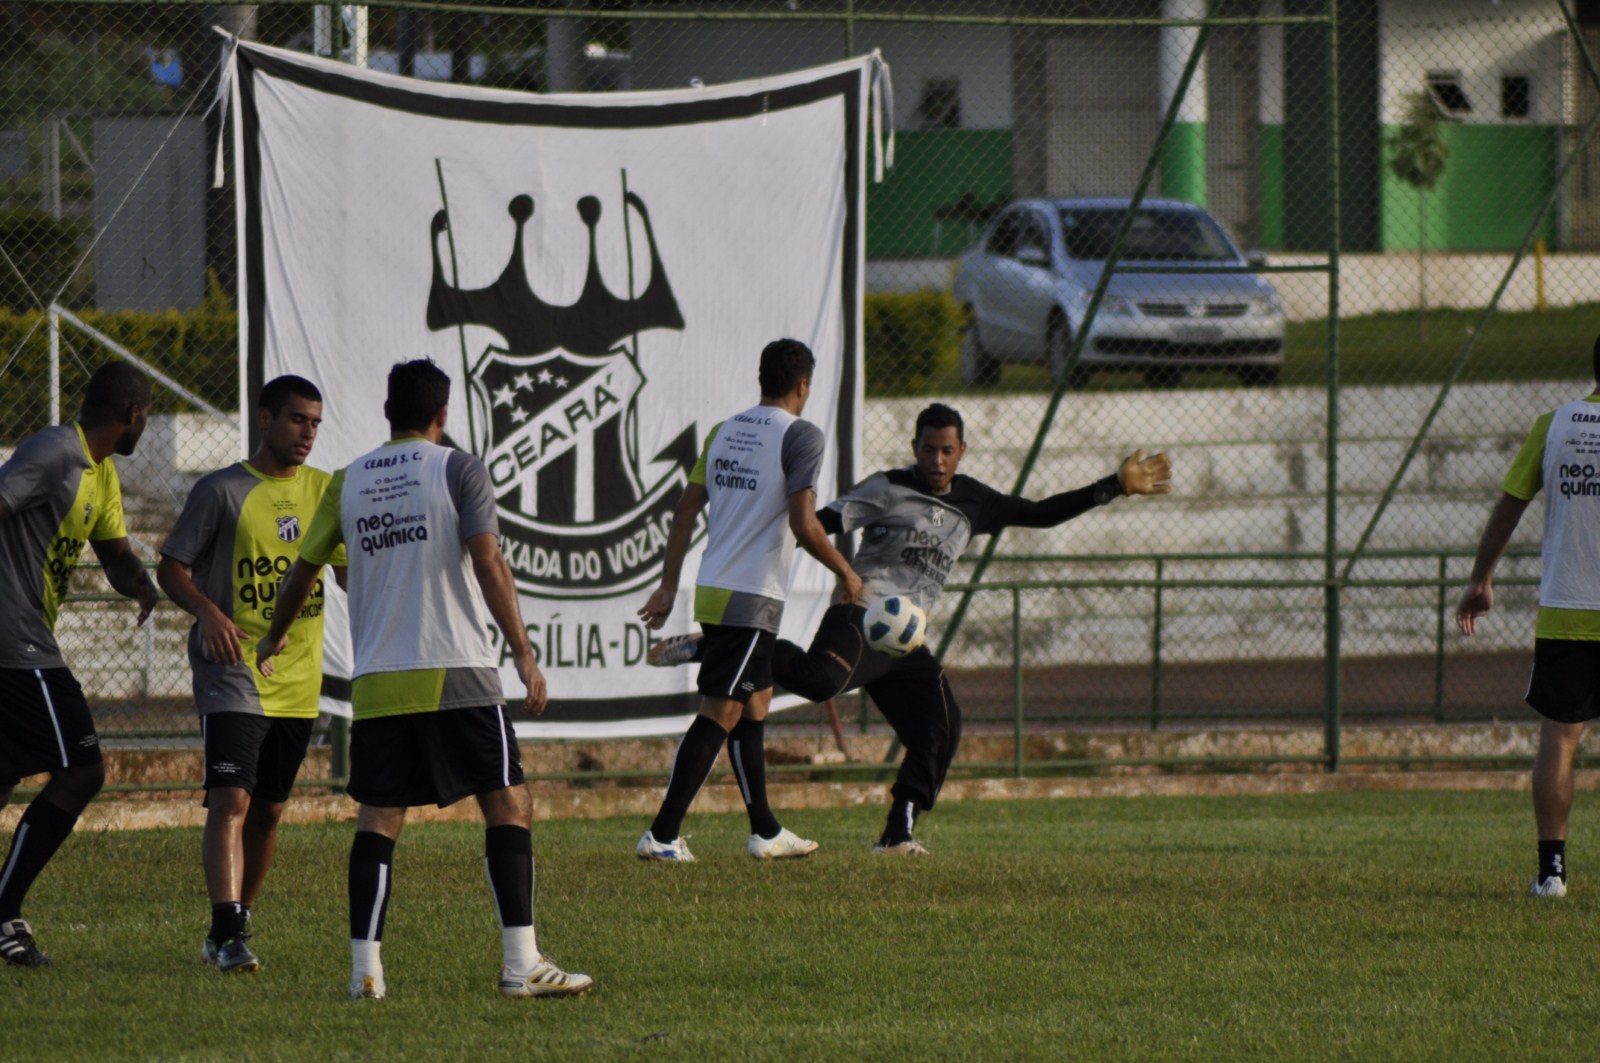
(1333, 257)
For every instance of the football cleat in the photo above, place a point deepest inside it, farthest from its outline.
(208, 952)
(367, 987)
(1553, 886)
(679, 649)
(235, 957)
(545, 980)
(17, 946)
(786, 845)
(909, 847)
(650, 849)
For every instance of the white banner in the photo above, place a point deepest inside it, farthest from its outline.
(598, 274)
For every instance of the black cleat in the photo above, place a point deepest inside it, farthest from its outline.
(18, 947)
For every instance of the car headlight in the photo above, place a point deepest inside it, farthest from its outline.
(1110, 305)
(1267, 305)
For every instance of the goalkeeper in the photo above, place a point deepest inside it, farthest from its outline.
(916, 522)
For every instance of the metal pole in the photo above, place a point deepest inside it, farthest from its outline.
(55, 366)
(1438, 644)
(1016, 682)
(339, 751)
(1155, 650)
(1333, 604)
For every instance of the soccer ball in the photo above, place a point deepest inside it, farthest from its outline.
(895, 625)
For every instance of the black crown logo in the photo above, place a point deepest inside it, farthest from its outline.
(593, 325)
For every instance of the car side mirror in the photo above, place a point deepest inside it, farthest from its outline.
(1034, 256)
(1256, 258)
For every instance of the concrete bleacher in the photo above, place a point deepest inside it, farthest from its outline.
(1250, 473)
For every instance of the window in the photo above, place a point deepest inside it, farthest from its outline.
(1445, 88)
(1516, 97)
(1003, 240)
(1031, 236)
(940, 105)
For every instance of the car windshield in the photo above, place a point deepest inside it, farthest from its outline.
(1157, 235)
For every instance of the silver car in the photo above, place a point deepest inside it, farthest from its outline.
(1027, 286)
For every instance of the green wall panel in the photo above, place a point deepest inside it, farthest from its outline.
(1183, 163)
(1495, 180)
(1272, 187)
(934, 170)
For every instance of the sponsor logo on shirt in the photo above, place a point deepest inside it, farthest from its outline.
(384, 531)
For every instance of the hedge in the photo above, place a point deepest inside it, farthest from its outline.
(913, 341)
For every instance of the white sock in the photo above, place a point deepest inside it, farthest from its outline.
(520, 947)
(364, 959)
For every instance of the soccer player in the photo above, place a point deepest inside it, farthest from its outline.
(1560, 457)
(237, 535)
(758, 473)
(58, 491)
(916, 522)
(425, 575)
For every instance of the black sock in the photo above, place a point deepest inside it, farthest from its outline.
(697, 752)
(227, 921)
(40, 832)
(747, 752)
(902, 818)
(508, 856)
(1552, 859)
(371, 864)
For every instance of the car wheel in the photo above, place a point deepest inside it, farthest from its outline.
(1163, 376)
(1259, 376)
(1057, 348)
(979, 369)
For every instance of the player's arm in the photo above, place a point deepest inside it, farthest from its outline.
(221, 637)
(341, 576)
(5, 510)
(493, 574)
(293, 594)
(1478, 598)
(690, 503)
(1137, 475)
(126, 573)
(813, 538)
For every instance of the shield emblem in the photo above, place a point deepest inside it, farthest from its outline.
(288, 528)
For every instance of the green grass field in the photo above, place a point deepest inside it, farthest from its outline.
(1378, 349)
(1352, 926)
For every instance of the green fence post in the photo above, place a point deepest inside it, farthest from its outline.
(339, 752)
(1438, 644)
(1332, 693)
(1016, 681)
(1155, 649)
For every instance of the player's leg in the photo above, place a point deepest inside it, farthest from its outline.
(747, 753)
(916, 699)
(1564, 687)
(231, 743)
(476, 752)
(724, 691)
(387, 770)
(282, 753)
(837, 660)
(48, 729)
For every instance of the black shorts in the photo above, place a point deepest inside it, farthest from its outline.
(260, 755)
(735, 662)
(433, 758)
(1565, 683)
(44, 723)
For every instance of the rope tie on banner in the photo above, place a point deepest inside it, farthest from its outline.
(223, 101)
(882, 95)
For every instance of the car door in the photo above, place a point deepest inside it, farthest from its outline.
(1032, 292)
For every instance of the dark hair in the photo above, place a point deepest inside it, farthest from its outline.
(941, 416)
(114, 387)
(279, 390)
(783, 364)
(417, 391)
(1597, 360)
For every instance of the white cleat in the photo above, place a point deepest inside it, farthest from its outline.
(676, 850)
(1551, 887)
(368, 987)
(785, 846)
(909, 847)
(679, 649)
(545, 980)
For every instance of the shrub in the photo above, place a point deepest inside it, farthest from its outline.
(913, 341)
(43, 249)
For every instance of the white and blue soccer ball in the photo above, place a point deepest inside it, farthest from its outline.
(895, 625)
